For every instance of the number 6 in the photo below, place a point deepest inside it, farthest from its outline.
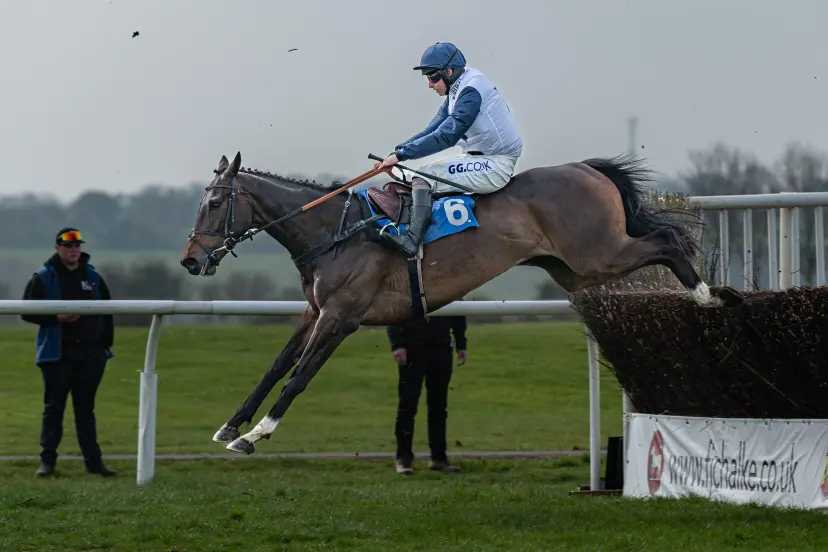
(456, 212)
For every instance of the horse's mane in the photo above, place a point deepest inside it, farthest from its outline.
(313, 184)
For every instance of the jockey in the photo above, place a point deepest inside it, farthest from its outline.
(473, 115)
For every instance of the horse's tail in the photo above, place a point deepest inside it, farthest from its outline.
(628, 174)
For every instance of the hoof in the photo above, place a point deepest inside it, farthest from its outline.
(729, 296)
(226, 434)
(242, 446)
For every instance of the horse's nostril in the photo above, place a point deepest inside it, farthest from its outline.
(189, 263)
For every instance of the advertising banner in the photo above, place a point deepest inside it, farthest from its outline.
(775, 462)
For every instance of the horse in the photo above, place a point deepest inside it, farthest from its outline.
(584, 223)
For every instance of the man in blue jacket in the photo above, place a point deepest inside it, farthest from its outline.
(71, 350)
(473, 115)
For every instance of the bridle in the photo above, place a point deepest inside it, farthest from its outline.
(229, 222)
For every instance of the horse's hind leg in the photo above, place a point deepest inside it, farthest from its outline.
(672, 256)
(559, 271)
(660, 247)
(281, 366)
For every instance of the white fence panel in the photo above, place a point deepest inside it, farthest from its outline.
(784, 244)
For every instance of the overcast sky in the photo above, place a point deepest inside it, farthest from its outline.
(83, 105)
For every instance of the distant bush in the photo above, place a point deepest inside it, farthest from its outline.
(156, 280)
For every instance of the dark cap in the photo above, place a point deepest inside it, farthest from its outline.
(69, 235)
(440, 56)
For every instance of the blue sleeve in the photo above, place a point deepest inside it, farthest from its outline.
(441, 116)
(447, 133)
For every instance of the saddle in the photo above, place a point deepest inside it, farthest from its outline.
(394, 200)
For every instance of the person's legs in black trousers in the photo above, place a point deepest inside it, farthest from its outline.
(435, 367)
(87, 372)
(438, 366)
(409, 386)
(80, 374)
(438, 371)
(56, 386)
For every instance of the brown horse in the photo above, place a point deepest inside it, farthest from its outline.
(584, 223)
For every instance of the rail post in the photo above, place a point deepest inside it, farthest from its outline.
(594, 414)
(147, 405)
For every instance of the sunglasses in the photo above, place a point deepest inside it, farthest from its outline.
(73, 236)
(435, 76)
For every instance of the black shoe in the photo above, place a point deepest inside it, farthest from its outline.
(99, 468)
(443, 466)
(409, 242)
(45, 469)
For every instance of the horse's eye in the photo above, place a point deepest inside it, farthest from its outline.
(214, 205)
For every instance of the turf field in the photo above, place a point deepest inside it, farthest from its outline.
(361, 505)
(525, 388)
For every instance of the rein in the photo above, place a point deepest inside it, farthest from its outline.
(230, 242)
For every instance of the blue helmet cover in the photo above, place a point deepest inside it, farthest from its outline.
(437, 56)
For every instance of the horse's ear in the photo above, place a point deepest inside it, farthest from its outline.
(223, 163)
(234, 168)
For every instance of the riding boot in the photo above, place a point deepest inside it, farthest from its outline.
(409, 242)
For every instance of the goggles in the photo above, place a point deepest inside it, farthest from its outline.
(71, 236)
(435, 76)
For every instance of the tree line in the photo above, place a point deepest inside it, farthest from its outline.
(154, 218)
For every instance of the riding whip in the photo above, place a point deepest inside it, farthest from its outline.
(431, 176)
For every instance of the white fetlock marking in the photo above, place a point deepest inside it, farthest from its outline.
(263, 429)
(701, 294)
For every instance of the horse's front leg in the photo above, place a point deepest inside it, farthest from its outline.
(333, 326)
(281, 366)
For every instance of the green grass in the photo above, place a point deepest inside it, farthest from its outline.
(525, 388)
(298, 505)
